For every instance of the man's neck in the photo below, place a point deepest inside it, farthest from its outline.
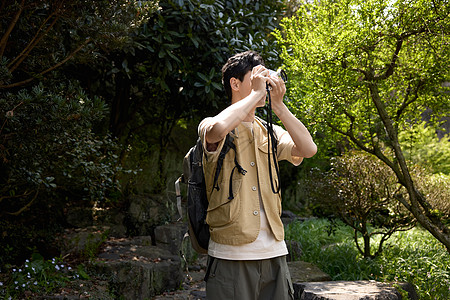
(250, 117)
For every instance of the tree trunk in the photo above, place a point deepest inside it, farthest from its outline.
(419, 207)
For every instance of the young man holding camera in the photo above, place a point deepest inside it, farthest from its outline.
(247, 252)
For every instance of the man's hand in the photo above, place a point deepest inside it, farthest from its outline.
(258, 80)
(278, 89)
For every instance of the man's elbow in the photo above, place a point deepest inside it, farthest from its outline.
(215, 132)
(311, 151)
(307, 151)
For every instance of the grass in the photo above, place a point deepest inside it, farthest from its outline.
(413, 256)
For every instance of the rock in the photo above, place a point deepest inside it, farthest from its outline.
(146, 212)
(170, 236)
(295, 250)
(347, 290)
(84, 242)
(113, 218)
(136, 269)
(288, 217)
(303, 271)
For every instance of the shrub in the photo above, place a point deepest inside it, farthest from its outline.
(361, 190)
(50, 158)
(411, 256)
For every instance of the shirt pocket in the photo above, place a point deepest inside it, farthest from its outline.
(222, 210)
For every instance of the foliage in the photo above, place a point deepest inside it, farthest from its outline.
(50, 159)
(171, 71)
(31, 30)
(364, 69)
(36, 276)
(51, 153)
(361, 191)
(48, 147)
(436, 188)
(422, 146)
(412, 256)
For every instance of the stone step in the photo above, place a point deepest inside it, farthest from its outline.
(352, 290)
(303, 271)
(135, 269)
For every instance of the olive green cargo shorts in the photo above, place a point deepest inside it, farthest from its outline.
(249, 280)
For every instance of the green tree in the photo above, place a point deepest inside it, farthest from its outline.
(37, 37)
(51, 155)
(171, 69)
(421, 145)
(366, 68)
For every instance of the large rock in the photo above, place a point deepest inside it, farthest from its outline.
(83, 242)
(295, 250)
(138, 270)
(303, 271)
(350, 290)
(170, 236)
(145, 212)
(113, 218)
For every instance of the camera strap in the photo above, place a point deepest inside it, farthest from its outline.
(272, 146)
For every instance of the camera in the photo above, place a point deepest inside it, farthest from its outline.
(280, 73)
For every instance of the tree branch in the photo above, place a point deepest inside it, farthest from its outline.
(15, 63)
(13, 23)
(392, 64)
(20, 83)
(407, 102)
(16, 213)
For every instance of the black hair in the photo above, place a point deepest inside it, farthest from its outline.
(237, 66)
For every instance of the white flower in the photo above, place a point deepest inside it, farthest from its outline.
(35, 283)
(16, 282)
(20, 270)
(69, 268)
(57, 267)
(1, 283)
(14, 270)
(23, 285)
(27, 260)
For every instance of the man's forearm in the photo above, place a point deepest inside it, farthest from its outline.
(304, 144)
(231, 117)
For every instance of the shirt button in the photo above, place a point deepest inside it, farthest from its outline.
(254, 188)
(255, 213)
(252, 164)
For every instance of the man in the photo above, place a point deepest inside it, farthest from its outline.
(247, 252)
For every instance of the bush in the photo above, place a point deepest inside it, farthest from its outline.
(362, 190)
(412, 256)
(50, 159)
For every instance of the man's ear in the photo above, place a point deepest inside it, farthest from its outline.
(235, 84)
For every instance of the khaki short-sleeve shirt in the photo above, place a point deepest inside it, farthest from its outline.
(237, 221)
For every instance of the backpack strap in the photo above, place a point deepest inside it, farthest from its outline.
(228, 144)
(240, 170)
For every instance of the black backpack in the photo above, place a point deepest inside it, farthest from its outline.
(197, 202)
